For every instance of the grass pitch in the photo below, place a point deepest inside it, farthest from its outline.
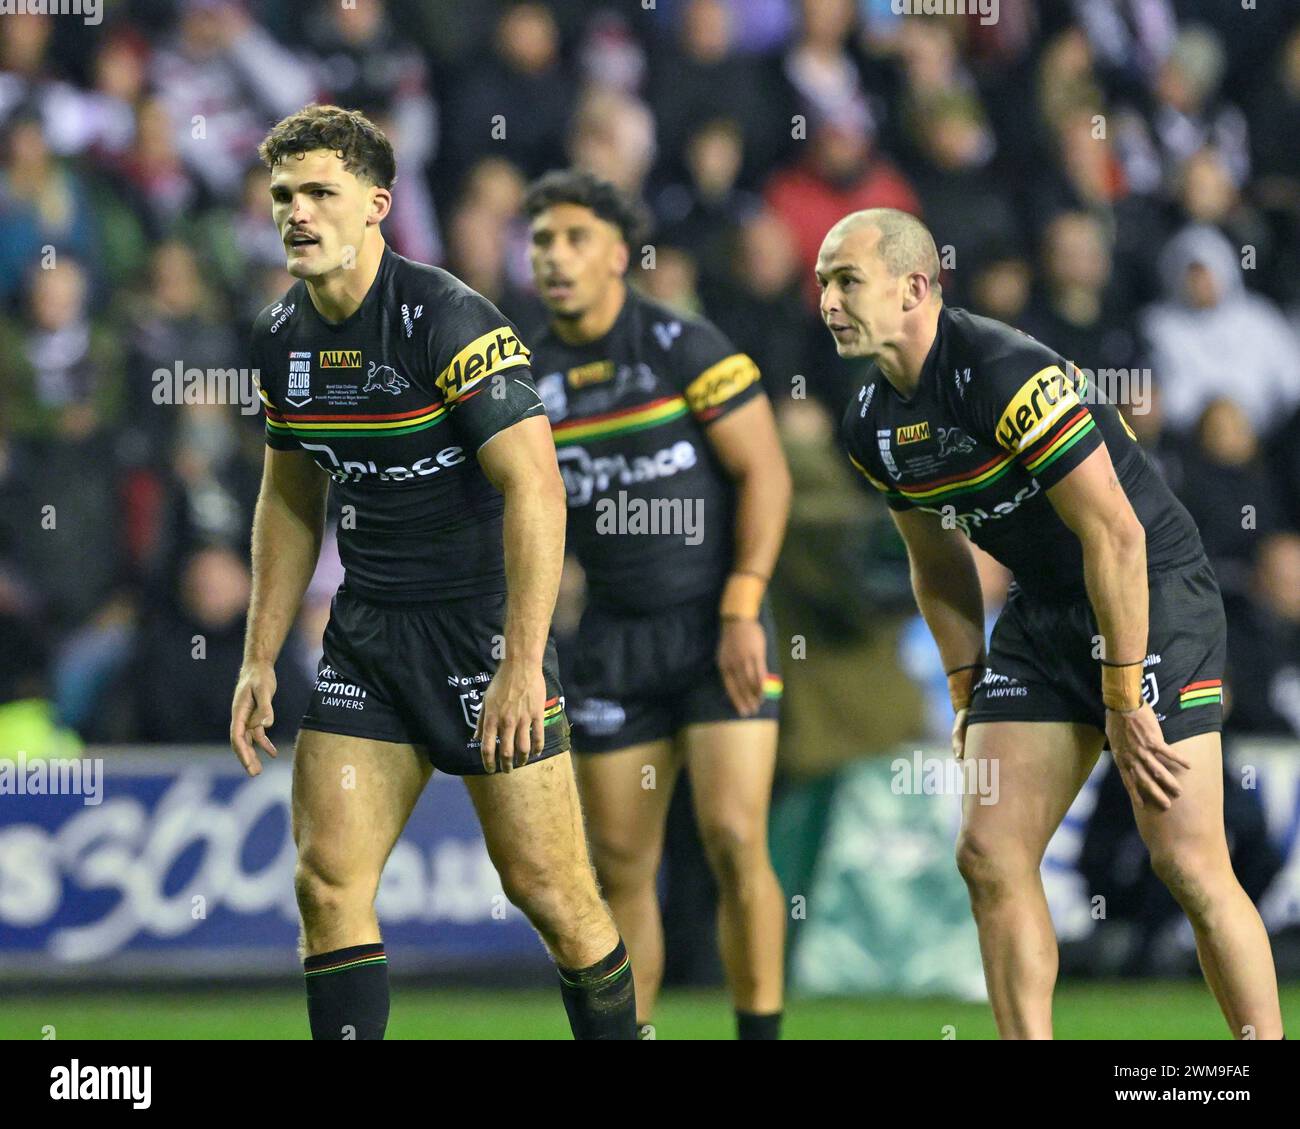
(1130, 1010)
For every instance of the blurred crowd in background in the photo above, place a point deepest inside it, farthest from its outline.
(1119, 178)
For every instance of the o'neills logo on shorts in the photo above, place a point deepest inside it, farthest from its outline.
(340, 358)
(913, 432)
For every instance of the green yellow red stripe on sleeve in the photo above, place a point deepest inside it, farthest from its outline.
(1065, 437)
(1206, 693)
(773, 687)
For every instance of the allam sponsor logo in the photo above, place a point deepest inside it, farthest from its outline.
(913, 432)
(340, 358)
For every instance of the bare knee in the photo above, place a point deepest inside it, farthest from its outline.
(555, 901)
(623, 866)
(325, 893)
(1190, 876)
(737, 853)
(989, 872)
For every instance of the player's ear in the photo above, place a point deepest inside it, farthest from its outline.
(918, 290)
(381, 200)
(622, 257)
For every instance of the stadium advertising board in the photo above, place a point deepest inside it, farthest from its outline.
(183, 865)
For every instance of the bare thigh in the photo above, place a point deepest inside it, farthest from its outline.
(625, 794)
(731, 765)
(351, 799)
(1039, 767)
(532, 823)
(1192, 829)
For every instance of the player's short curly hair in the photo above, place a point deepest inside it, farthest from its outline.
(577, 186)
(365, 151)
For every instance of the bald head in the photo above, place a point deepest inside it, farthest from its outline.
(902, 241)
(878, 270)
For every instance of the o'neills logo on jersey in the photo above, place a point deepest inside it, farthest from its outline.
(1042, 400)
(340, 358)
(913, 432)
(719, 383)
(485, 356)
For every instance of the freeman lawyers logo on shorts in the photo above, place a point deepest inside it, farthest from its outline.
(336, 693)
(1003, 685)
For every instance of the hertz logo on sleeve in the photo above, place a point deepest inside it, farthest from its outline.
(494, 352)
(719, 383)
(340, 358)
(1041, 402)
(913, 432)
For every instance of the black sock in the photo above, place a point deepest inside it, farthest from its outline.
(347, 992)
(600, 1000)
(751, 1025)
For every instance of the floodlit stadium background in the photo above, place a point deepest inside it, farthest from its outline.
(1117, 177)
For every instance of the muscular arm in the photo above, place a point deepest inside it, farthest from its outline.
(1092, 503)
(287, 529)
(749, 449)
(520, 462)
(947, 589)
(288, 525)
(946, 586)
(747, 445)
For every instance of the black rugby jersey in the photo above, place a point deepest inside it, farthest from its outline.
(996, 420)
(651, 509)
(394, 402)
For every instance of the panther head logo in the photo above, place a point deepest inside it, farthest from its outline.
(384, 378)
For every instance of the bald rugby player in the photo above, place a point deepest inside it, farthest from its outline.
(1113, 633)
